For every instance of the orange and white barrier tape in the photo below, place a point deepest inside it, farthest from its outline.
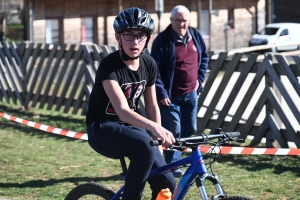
(204, 149)
(49, 129)
(249, 150)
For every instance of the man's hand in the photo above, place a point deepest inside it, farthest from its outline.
(165, 102)
(197, 86)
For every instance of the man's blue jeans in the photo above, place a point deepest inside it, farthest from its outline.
(180, 118)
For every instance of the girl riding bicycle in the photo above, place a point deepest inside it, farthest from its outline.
(114, 127)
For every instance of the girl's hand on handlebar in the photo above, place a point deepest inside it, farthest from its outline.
(164, 135)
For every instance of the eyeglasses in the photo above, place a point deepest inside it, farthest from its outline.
(179, 21)
(130, 37)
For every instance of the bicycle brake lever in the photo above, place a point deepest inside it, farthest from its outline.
(179, 145)
(240, 140)
(235, 140)
(179, 148)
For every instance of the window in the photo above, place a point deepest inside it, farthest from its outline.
(284, 32)
(87, 29)
(269, 31)
(52, 31)
(204, 24)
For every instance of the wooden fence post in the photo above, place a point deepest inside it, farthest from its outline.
(270, 142)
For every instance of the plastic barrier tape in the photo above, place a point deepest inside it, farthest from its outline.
(49, 129)
(204, 149)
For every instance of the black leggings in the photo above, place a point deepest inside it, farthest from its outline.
(116, 140)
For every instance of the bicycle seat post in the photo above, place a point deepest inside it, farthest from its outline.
(123, 165)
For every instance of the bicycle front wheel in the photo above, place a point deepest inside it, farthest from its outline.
(90, 191)
(237, 198)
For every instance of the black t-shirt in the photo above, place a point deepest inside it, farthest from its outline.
(132, 83)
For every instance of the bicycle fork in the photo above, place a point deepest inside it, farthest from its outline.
(214, 180)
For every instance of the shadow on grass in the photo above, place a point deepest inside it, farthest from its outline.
(256, 164)
(46, 183)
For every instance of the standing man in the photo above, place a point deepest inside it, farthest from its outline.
(182, 60)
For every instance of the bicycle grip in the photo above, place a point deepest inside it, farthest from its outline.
(155, 142)
(232, 134)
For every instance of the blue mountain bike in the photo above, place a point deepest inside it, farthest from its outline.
(196, 173)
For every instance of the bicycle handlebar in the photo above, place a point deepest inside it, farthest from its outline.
(202, 138)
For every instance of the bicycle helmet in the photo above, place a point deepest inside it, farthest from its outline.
(134, 18)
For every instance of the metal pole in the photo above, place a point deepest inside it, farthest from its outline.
(199, 14)
(159, 8)
(272, 12)
(25, 20)
(120, 6)
(269, 11)
(32, 8)
(210, 11)
(225, 34)
(30, 22)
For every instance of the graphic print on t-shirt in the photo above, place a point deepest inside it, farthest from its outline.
(132, 92)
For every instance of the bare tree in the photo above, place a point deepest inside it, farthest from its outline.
(6, 8)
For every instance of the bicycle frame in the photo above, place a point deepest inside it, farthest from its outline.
(196, 171)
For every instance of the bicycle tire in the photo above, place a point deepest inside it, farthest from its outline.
(90, 191)
(237, 198)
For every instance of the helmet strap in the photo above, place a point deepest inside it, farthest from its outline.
(146, 44)
(123, 55)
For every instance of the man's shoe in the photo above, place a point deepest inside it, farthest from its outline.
(177, 172)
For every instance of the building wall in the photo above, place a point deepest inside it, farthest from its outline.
(286, 11)
(40, 31)
(105, 11)
(261, 15)
(72, 33)
(100, 31)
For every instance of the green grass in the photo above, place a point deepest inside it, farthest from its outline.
(40, 165)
